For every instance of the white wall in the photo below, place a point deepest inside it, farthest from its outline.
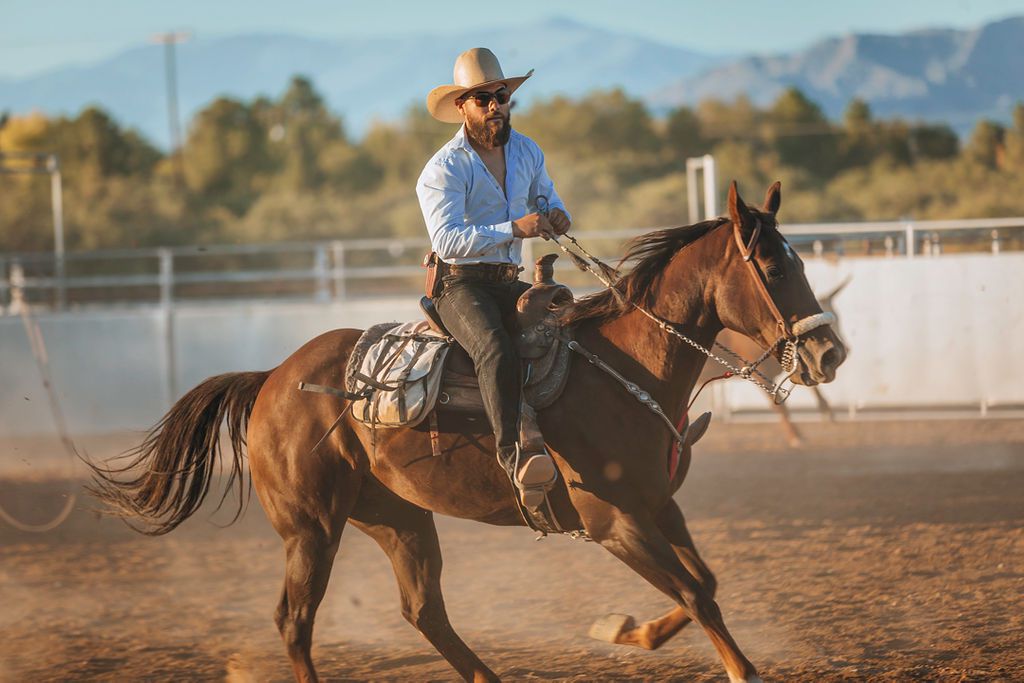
(110, 370)
(926, 332)
(934, 332)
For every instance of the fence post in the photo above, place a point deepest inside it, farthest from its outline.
(692, 200)
(17, 285)
(320, 273)
(57, 201)
(166, 279)
(995, 242)
(911, 245)
(710, 188)
(338, 254)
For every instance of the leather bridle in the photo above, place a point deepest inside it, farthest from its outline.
(789, 333)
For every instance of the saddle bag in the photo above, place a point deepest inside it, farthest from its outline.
(403, 370)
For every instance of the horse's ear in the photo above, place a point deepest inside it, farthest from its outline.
(773, 198)
(744, 227)
(738, 211)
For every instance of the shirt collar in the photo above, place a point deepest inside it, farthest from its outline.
(460, 139)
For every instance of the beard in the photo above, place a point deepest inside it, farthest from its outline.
(488, 134)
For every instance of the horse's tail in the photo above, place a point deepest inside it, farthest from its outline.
(170, 472)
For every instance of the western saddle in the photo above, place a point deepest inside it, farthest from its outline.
(545, 363)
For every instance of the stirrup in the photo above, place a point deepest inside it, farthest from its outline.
(534, 478)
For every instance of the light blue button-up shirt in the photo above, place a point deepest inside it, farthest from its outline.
(468, 217)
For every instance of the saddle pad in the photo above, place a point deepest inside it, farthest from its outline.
(405, 363)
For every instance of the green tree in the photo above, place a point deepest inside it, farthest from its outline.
(226, 157)
(801, 134)
(301, 129)
(858, 144)
(1015, 140)
(986, 145)
(728, 120)
(934, 141)
(683, 134)
(601, 123)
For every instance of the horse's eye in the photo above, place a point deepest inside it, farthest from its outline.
(773, 273)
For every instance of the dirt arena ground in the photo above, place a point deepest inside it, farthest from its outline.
(884, 551)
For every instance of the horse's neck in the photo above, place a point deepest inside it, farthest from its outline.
(664, 364)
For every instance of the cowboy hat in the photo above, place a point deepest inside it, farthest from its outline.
(474, 68)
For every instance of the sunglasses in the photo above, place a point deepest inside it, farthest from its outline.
(483, 98)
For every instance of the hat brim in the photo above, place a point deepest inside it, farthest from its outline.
(441, 100)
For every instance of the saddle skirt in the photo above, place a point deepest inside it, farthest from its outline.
(408, 369)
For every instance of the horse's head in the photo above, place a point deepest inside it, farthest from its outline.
(762, 292)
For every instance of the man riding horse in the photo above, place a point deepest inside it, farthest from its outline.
(482, 194)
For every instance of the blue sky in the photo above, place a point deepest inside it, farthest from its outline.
(36, 35)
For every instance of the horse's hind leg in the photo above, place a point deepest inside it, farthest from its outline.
(309, 558)
(308, 506)
(650, 635)
(408, 536)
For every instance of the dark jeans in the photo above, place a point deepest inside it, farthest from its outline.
(481, 317)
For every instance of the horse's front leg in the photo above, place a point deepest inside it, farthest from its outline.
(637, 541)
(622, 629)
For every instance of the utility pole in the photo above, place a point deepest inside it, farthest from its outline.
(169, 41)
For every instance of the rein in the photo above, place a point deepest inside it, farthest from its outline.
(790, 334)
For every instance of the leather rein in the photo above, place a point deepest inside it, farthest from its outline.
(789, 333)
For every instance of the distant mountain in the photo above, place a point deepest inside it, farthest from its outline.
(941, 75)
(361, 79)
(944, 75)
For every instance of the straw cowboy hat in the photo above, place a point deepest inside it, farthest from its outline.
(474, 68)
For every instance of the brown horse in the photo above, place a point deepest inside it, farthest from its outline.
(611, 451)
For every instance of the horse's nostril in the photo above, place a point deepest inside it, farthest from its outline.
(830, 358)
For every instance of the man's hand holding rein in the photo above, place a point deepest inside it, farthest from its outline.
(534, 225)
(559, 221)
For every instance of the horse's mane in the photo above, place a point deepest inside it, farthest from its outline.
(651, 253)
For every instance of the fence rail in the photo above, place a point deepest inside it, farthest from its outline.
(345, 269)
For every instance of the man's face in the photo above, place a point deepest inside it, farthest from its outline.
(487, 121)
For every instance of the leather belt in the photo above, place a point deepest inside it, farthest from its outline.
(486, 272)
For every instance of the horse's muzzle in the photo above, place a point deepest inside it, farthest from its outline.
(820, 354)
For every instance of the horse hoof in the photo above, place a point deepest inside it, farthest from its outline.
(609, 627)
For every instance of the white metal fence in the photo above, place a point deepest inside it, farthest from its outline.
(937, 326)
(351, 269)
